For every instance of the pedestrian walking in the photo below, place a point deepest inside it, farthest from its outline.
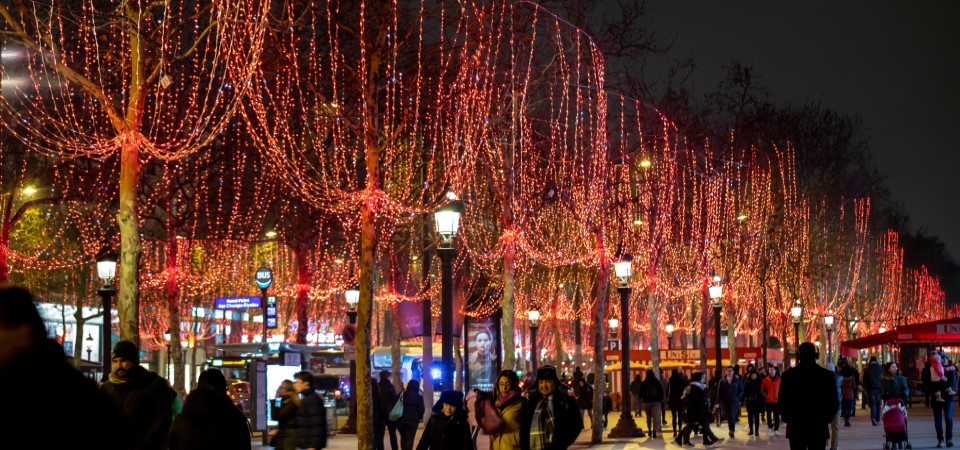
(871, 388)
(770, 388)
(388, 398)
(754, 400)
(509, 404)
(284, 411)
(651, 396)
(311, 414)
(943, 410)
(665, 384)
(697, 412)
(848, 394)
(675, 388)
(585, 399)
(209, 418)
(635, 394)
(413, 409)
(36, 381)
(729, 392)
(607, 406)
(808, 400)
(835, 423)
(926, 383)
(379, 419)
(893, 384)
(145, 398)
(448, 427)
(551, 419)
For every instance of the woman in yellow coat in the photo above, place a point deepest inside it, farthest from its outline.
(509, 403)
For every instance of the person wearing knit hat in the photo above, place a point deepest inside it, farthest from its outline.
(448, 427)
(551, 418)
(145, 398)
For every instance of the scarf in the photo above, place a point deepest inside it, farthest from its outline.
(541, 427)
(505, 399)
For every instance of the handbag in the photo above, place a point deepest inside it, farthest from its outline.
(397, 411)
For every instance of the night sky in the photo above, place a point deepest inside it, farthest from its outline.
(896, 64)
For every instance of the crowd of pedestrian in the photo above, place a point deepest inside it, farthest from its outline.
(133, 408)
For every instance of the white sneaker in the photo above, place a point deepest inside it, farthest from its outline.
(776, 433)
(769, 432)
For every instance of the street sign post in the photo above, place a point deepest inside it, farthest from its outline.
(613, 344)
(349, 352)
(348, 333)
(264, 277)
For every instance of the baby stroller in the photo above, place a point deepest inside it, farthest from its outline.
(895, 425)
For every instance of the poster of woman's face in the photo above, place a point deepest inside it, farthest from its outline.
(482, 362)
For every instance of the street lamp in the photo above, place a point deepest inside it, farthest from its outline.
(626, 427)
(614, 325)
(716, 294)
(796, 311)
(534, 317)
(669, 329)
(448, 223)
(883, 347)
(828, 321)
(107, 271)
(352, 296)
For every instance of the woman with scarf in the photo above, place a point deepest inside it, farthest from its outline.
(509, 404)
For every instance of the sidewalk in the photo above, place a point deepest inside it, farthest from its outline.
(860, 436)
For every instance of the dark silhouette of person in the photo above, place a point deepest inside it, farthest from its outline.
(37, 384)
(808, 400)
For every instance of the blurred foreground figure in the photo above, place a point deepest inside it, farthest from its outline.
(209, 418)
(46, 402)
(145, 398)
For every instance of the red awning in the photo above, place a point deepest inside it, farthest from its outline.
(939, 332)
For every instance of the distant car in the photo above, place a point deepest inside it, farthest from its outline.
(239, 392)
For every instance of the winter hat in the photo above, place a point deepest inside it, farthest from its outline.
(547, 373)
(127, 350)
(454, 398)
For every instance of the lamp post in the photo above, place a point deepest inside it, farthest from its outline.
(352, 296)
(107, 270)
(796, 311)
(716, 294)
(534, 317)
(828, 321)
(669, 329)
(448, 223)
(626, 427)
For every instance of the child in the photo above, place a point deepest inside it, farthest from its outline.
(937, 377)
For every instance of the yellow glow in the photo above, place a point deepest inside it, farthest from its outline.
(645, 163)
(742, 217)
(338, 261)
(29, 190)
(638, 222)
(271, 233)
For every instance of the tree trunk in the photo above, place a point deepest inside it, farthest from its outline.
(128, 308)
(654, 330)
(509, 344)
(731, 334)
(599, 316)
(172, 292)
(395, 357)
(5, 240)
(303, 288)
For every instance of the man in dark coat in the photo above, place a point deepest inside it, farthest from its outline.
(36, 382)
(730, 391)
(388, 398)
(635, 395)
(209, 418)
(448, 427)
(145, 398)
(871, 388)
(808, 401)
(551, 420)
(696, 412)
(311, 416)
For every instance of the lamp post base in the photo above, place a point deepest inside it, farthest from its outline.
(626, 428)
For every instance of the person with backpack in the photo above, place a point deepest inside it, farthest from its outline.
(388, 399)
(651, 395)
(697, 412)
(413, 409)
(848, 394)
